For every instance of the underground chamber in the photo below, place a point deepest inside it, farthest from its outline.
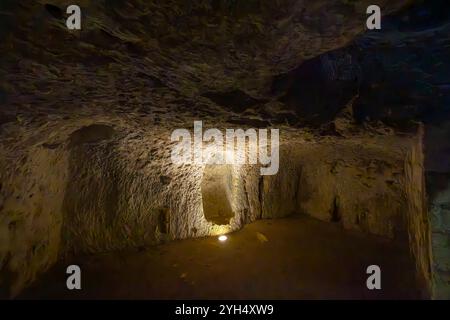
(353, 203)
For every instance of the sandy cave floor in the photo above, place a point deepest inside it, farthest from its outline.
(303, 259)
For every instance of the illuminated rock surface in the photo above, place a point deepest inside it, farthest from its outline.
(86, 119)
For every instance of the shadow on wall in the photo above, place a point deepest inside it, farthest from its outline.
(319, 88)
(437, 169)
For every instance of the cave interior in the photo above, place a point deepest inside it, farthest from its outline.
(87, 178)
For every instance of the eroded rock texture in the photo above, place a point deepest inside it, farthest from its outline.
(86, 118)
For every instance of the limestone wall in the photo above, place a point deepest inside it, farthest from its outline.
(418, 221)
(103, 189)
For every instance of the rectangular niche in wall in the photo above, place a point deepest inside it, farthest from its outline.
(216, 193)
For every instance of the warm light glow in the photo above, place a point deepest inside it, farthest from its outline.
(218, 230)
(223, 238)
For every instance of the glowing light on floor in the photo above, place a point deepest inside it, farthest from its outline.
(223, 238)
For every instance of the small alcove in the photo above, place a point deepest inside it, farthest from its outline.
(216, 190)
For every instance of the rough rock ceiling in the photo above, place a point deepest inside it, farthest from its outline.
(162, 60)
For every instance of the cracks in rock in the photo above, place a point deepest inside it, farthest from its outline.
(297, 188)
(245, 216)
(335, 211)
(164, 220)
(261, 195)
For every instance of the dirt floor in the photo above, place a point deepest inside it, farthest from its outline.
(302, 259)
